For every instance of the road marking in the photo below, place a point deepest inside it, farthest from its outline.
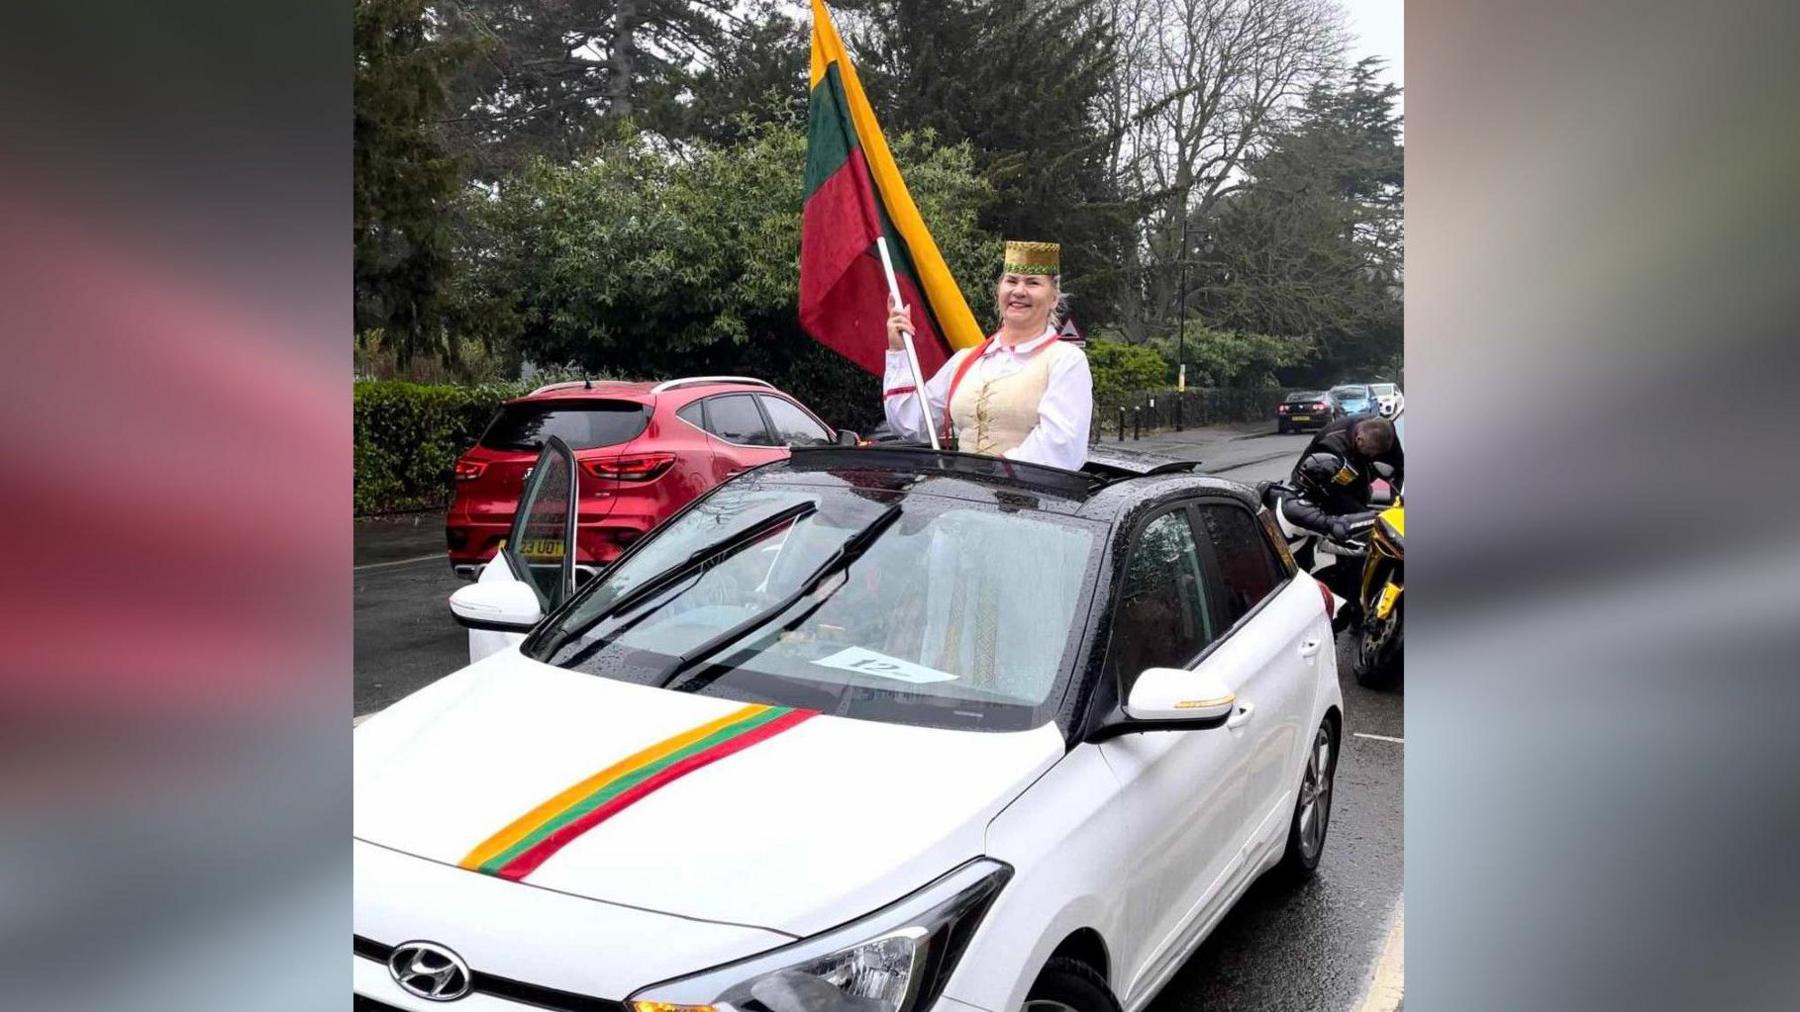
(398, 562)
(1377, 737)
(1388, 985)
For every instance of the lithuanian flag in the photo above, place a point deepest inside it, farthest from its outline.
(854, 194)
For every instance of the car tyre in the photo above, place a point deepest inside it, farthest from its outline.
(1312, 809)
(1069, 985)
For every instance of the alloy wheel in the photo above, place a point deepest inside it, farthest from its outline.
(1315, 796)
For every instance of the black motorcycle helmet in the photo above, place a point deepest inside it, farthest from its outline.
(1316, 474)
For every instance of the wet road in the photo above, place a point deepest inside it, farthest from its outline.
(1314, 948)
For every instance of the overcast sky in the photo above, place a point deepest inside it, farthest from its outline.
(1379, 27)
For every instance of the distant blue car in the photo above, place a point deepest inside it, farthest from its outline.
(1354, 398)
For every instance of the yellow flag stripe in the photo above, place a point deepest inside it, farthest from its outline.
(947, 302)
(525, 824)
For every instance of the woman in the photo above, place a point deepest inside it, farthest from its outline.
(1021, 394)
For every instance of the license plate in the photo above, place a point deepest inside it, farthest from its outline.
(541, 548)
(1299, 418)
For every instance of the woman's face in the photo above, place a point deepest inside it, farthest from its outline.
(1026, 300)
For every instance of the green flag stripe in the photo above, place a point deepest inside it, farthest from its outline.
(830, 135)
(624, 783)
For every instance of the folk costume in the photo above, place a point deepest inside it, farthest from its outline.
(1032, 402)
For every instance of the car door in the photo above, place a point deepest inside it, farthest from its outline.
(540, 548)
(1276, 632)
(739, 435)
(1180, 791)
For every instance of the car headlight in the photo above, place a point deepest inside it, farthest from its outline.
(894, 960)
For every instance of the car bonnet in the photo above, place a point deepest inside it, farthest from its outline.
(689, 805)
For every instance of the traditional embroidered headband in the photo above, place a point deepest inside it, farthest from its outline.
(1032, 258)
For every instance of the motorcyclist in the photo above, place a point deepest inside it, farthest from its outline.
(1336, 472)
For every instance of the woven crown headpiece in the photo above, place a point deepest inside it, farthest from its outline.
(1032, 258)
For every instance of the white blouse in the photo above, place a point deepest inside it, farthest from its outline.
(1064, 414)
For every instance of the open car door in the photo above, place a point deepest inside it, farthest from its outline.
(534, 571)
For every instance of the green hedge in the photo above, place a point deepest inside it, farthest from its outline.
(409, 435)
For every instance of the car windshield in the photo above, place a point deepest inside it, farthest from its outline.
(584, 425)
(955, 614)
(1381, 389)
(1350, 393)
(1307, 395)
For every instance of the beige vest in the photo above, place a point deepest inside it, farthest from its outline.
(994, 416)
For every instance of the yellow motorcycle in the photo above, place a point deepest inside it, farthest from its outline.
(1379, 639)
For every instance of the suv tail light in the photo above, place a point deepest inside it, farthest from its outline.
(639, 467)
(1283, 408)
(1318, 407)
(1330, 604)
(469, 470)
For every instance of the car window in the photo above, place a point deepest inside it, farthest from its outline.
(792, 426)
(1383, 389)
(735, 419)
(928, 627)
(1162, 619)
(537, 543)
(1248, 569)
(583, 425)
(1353, 392)
(694, 414)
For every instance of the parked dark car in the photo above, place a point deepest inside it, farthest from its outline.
(1306, 409)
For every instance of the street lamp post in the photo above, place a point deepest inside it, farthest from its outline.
(1181, 339)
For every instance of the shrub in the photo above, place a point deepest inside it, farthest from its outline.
(409, 435)
(1121, 369)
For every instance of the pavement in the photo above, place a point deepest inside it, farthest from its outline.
(1333, 945)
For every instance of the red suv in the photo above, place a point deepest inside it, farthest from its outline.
(643, 451)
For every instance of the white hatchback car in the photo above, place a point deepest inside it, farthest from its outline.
(870, 730)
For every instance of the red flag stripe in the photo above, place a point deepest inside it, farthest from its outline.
(528, 862)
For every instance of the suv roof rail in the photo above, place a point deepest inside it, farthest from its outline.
(690, 380)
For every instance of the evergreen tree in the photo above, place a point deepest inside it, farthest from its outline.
(405, 177)
(560, 77)
(1312, 245)
(1020, 81)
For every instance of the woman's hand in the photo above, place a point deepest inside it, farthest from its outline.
(898, 320)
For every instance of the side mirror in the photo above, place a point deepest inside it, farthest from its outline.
(499, 606)
(1177, 694)
(847, 438)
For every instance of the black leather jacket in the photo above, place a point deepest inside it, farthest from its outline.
(1341, 500)
(1353, 489)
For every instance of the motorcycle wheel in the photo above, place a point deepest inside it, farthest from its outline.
(1380, 650)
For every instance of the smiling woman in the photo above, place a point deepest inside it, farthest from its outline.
(1021, 394)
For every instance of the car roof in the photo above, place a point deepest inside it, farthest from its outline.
(644, 391)
(1113, 483)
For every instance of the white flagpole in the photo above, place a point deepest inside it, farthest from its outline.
(912, 355)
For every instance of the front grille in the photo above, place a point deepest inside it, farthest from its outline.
(487, 983)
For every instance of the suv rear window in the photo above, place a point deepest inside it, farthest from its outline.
(583, 425)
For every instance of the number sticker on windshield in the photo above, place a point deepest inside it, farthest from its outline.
(870, 662)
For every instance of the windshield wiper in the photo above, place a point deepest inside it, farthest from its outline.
(669, 577)
(852, 548)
